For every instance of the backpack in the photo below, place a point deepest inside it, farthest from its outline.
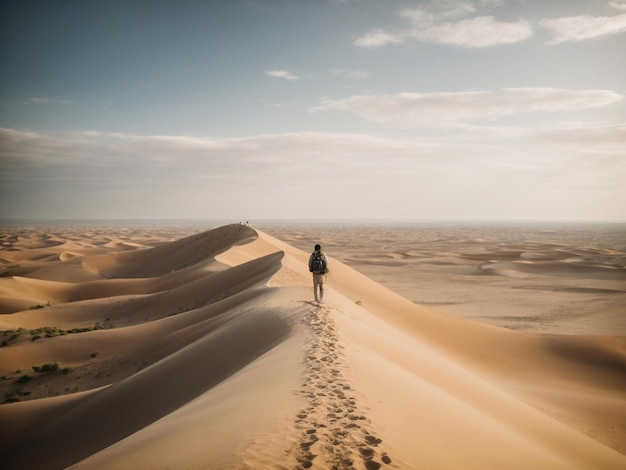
(318, 264)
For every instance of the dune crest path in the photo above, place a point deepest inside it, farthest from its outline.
(334, 427)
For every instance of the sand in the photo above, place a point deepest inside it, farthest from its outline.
(194, 349)
(563, 278)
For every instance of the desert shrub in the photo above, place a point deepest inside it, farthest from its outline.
(97, 326)
(52, 331)
(48, 331)
(14, 335)
(52, 367)
(80, 330)
(36, 307)
(24, 379)
(47, 367)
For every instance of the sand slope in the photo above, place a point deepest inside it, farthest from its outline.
(206, 352)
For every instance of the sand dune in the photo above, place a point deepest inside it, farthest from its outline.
(561, 278)
(206, 352)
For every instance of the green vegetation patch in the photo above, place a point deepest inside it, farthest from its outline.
(45, 332)
(37, 307)
(51, 367)
(47, 367)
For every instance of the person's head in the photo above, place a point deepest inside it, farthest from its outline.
(317, 247)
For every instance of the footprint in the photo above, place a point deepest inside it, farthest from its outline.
(332, 421)
(307, 460)
(307, 445)
(366, 452)
(372, 465)
(372, 440)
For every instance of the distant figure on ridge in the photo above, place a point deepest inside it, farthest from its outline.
(318, 265)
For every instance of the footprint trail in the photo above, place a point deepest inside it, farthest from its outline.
(335, 431)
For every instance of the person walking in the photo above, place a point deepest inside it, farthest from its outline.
(318, 265)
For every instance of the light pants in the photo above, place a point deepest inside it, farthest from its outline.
(318, 286)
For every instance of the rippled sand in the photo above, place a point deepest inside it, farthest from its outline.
(559, 278)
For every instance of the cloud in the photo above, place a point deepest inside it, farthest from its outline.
(284, 74)
(43, 101)
(445, 27)
(343, 2)
(378, 38)
(405, 110)
(458, 23)
(119, 157)
(585, 137)
(452, 8)
(477, 32)
(350, 73)
(580, 28)
(284, 104)
(621, 5)
(96, 174)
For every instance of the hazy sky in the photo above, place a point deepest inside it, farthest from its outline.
(259, 109)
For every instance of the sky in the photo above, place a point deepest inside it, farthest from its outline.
(313, 109)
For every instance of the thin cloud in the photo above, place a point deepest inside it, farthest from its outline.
(114, 153)
(618, 5)
(446, 27)
(106, 170)
(350, 73)
(453, 9)
(128, 160)
(477, 32)
(344, 2)
(378, 38)
(581, 28)
(286, 104)
(35, 100)
(284, 74)
(460, 24)
(584, 136)
(405, 110)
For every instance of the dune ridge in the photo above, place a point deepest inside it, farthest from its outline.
(517, 276)
(209, 354)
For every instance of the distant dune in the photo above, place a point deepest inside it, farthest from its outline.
(207, 352)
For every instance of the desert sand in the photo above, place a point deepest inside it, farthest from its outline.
(203, 350)
(564, 278)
